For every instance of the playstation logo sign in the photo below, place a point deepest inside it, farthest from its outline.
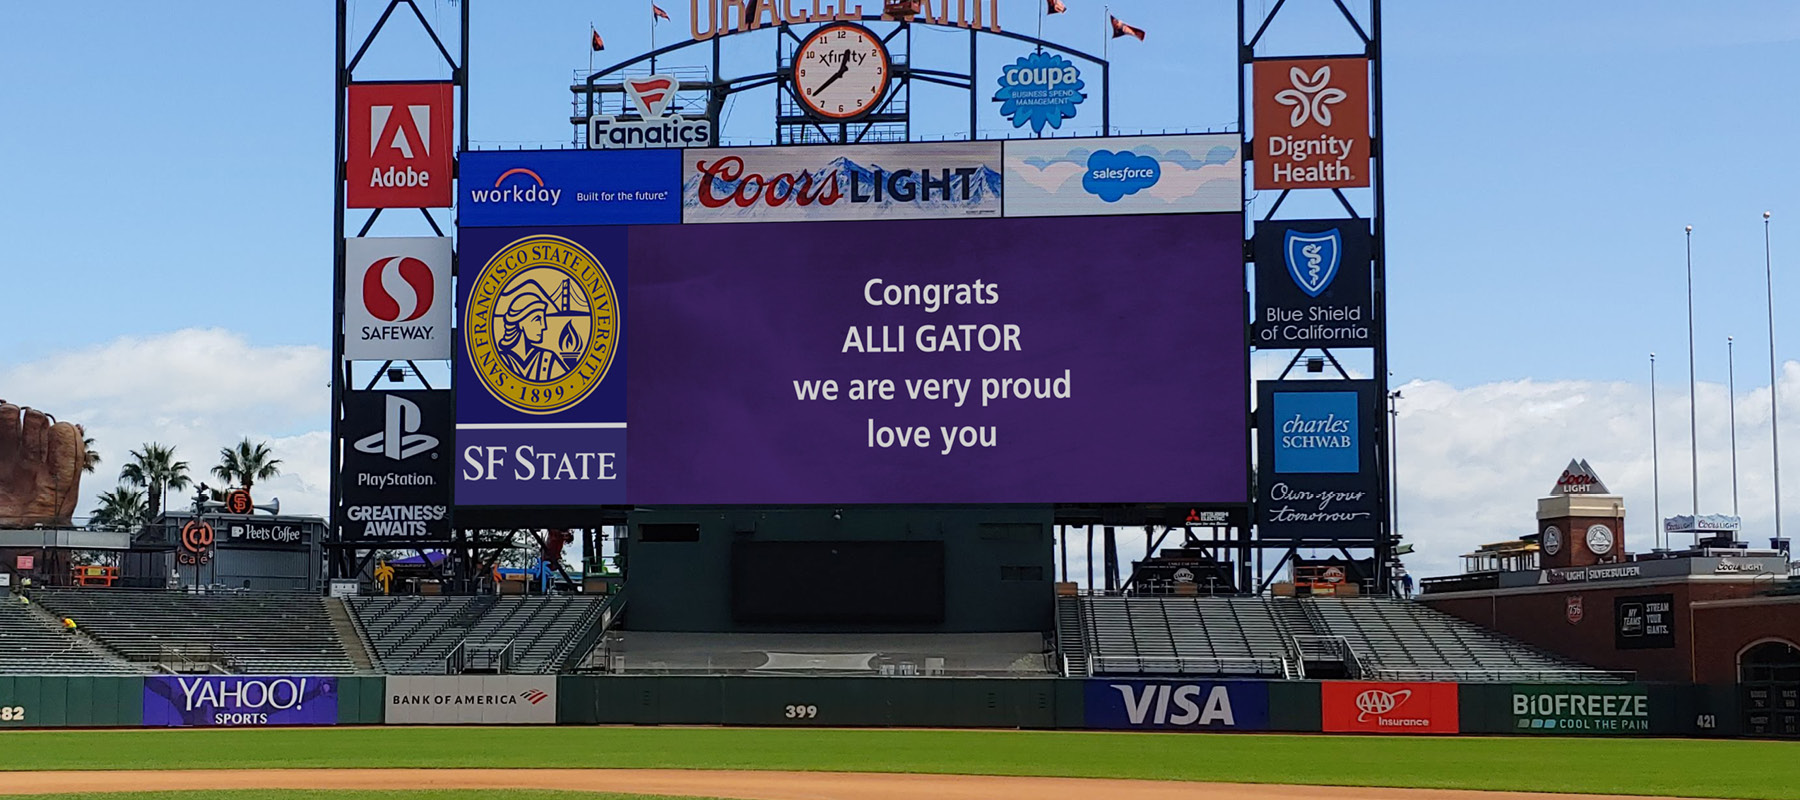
(399, 438)
(395, 482)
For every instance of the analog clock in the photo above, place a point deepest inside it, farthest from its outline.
(841, 72)
(1600, 540)
(1551, 540)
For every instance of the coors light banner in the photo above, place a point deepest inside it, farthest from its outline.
(950, 180)
(237, 701)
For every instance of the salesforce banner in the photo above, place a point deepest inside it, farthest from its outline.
(1189, 174)
(239, 700)
(1178, 705)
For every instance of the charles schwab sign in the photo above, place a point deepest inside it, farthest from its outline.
(1315, 469)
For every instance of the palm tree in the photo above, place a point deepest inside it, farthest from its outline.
(90, 456)
(121, 508)
(154, 467)
(244, 464)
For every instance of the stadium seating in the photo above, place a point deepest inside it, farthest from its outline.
(1183, 636)
(32, 643)
(248, 633)
(1399, 640)
(899, 654)
(429, 635)
(1369, 638)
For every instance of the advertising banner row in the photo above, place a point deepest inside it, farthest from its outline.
(1181, 174)
(1626, 709)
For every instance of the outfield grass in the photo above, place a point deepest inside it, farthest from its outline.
(1755, 770)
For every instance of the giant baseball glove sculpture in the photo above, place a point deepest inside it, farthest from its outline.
(40, 468)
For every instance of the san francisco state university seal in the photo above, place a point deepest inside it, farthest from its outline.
(542, 324)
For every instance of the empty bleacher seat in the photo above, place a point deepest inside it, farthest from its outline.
(255, 633)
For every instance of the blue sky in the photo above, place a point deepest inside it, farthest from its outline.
(171, 167)
(168, 169)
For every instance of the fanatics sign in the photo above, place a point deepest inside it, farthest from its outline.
(1312, 123)
(400, 149)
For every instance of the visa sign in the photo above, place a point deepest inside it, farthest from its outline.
(1227, 705)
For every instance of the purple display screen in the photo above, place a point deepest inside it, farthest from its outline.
(1067, 360)
(237, 701)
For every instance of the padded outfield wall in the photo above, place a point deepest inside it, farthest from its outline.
(1031, 703)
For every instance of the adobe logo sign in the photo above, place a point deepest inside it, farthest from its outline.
(397, 298)
(1312, 123)
(1365, 707)
(400, 148)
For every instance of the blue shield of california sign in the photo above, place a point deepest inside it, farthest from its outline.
(1314, 283)
(1312, 258)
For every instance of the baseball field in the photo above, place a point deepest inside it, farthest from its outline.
(395, 763)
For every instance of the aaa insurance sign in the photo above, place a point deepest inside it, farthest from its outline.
(397, 298)
(400, 149)
(1359, 707)
(1312, 123)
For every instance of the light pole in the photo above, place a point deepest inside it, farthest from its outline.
(1693, 405)
(1394, 398)
(1774, 428)
(1656, 532)
(1731, 397)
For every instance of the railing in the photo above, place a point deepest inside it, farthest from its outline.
(1182, 665)
(457, 660)
(195, 658)
(488, 657)
(1476, 675)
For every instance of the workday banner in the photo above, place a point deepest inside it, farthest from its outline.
(1177, 705)
(239, 700)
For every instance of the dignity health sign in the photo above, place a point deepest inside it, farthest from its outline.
(239, 701)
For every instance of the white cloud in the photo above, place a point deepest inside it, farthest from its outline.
(196, 389)
(1472, 462)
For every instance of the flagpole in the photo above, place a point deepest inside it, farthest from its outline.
(592, 32)
(653, 37)
(1106, 43)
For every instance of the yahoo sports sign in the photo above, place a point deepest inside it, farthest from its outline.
(239, 701)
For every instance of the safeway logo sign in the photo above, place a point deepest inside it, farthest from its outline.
(397, 300)
(1312, 123)
(400, 149)
(1359, 707)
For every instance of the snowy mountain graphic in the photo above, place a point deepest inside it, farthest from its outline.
(983, 198)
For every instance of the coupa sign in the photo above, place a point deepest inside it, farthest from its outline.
(230, 700)
(1176, 705)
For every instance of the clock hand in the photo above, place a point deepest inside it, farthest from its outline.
(833, 79)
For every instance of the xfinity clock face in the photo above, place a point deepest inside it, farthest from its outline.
(841, 72)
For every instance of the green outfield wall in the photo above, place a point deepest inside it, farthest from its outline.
(1599, 710)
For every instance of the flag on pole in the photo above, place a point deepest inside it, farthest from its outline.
(656, 12)
(1121, 29)
(1057, 7)
(599, 44)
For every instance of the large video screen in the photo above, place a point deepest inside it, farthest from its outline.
(873, 325)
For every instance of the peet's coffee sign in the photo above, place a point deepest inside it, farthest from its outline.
(271, 533)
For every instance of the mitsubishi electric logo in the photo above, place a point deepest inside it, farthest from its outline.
(1311, 97)
(653, 126)
(1313, 258)
(399, 439)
